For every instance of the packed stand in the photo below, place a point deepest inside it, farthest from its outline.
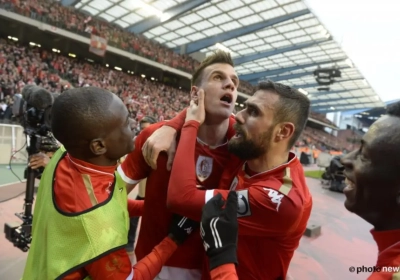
(52, 12)
(21, 65)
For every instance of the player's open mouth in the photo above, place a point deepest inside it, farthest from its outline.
(227, 99)
(350, 186)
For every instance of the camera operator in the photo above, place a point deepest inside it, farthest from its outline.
(143, 123)
(47, 147)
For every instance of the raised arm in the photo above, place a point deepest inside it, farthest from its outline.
(183, 195)
(163, 140)
(134, 168)
(256, 203)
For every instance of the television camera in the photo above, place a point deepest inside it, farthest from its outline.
(326, 76)
(33, 109)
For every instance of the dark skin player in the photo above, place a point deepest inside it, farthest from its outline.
(373, 186)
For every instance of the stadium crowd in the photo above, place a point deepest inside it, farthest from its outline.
(22, 65)
(53, 13)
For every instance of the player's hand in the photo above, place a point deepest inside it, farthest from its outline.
(181, 228)
(38, 160)
(219, 230)
(162, 140)
(196, 110)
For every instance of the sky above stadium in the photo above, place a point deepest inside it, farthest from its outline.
(369, 32)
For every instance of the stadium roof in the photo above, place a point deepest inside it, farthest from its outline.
(281, 40)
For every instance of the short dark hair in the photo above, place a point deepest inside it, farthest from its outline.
(293, 106)
(218, 56)
(394, 109)
(80, 114)
(148, 119)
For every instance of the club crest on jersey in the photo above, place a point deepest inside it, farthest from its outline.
(204, 167)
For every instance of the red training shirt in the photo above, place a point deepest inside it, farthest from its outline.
(80, 186)
(273, 208)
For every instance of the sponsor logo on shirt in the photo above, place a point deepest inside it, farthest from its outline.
(243, 203)
(276, 197)
(204, 167)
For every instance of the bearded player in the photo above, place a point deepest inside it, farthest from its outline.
(274, 203)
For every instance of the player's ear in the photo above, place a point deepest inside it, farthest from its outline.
(194, 93)
(285, 131)
(98, 146)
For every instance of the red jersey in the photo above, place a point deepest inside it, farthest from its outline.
(273, 208)
(210, 164)
(80, 186)
(389, 255)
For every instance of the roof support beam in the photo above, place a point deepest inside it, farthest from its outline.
(256, 56)
(340, 110)
(219, 38)
(315, 85)
(170, 14)
(68, 3)
(258, 75)
(315, 94)
(326, 107)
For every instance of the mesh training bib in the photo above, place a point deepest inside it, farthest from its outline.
(64, 242)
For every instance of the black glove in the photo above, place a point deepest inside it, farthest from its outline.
(219, 230)
(181, 227)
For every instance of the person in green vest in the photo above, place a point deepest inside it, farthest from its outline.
(81, 216)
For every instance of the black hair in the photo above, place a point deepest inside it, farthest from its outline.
(293, 106)
(80, 114)
(394, 109)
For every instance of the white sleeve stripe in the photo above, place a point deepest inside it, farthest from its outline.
(130, 276)
(214, 231)
(209, 195)
(126, 178)
(182, 221)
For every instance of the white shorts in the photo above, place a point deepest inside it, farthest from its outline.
(176, 273)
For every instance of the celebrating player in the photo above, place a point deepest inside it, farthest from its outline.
(218, 78)
(373, 188)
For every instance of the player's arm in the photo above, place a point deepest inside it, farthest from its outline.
(163, 140)
(183, 196)
(150, 266)
(117, 265)
(135, 207)
(178, 121)
(134, 168)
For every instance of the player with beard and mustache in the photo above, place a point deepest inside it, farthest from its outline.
(274, 203)
(373, 189)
